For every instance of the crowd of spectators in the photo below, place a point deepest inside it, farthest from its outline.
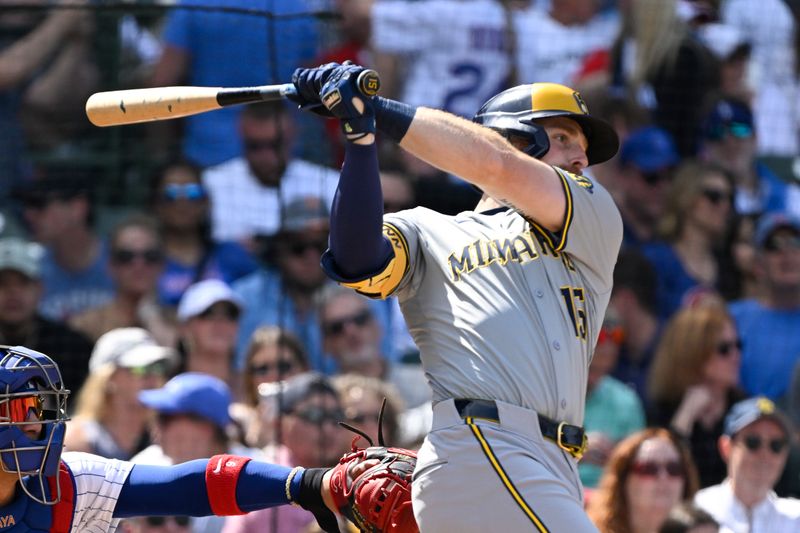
(198, 320)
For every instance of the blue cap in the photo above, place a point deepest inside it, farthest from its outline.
(191, 393)
(746, 412)
(649, 149)
(770, 222)
(729, 117)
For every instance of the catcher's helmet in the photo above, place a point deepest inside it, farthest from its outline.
(31, 380)
(514, 111)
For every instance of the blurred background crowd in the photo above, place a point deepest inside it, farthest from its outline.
(172, 268)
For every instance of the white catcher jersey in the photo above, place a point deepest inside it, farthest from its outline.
(456, 49)
(500, 308)
(98, 482)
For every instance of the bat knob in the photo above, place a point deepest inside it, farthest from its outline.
(369, 83)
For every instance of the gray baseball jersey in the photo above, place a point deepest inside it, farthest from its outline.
(502, 310)
(499, 307)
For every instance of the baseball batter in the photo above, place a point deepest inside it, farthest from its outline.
(505, 302)
(42, 490)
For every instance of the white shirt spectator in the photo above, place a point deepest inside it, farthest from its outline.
(768, 25)
(551, 52)
(773, 515)
(456, 50)
(242, 207)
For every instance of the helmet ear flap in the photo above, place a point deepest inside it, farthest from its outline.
(539, 141)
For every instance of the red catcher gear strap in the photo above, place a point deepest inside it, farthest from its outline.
(64, 510)
(222, 474)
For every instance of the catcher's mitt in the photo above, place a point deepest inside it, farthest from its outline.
(379, 499)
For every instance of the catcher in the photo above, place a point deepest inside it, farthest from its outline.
(43, 490)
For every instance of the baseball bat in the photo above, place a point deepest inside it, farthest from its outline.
(131, 106)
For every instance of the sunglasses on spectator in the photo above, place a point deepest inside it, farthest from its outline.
(159, 521)
(125, 257)
(782, 243)
(615, 334)
(654, 178)
(256, 146)
(228, 312)
(39, 201)
(16, 409)
(336, 327)
(359, 417)
(184, 191)
(716, 196)
(726, 348)
(318, 415)
(301, 247)
(733, 129)
(281, 367)
(159, 368)
(652, 468)
(754, 443)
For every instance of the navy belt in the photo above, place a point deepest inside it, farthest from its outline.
(569, 438)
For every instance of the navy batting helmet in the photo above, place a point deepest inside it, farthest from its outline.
(515, 111)
(31, 381)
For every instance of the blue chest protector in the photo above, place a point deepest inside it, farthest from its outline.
(26, 515)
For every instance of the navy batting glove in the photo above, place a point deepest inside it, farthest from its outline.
(341, 96)
(308, 82)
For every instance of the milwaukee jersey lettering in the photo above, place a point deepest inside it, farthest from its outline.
(500, 307)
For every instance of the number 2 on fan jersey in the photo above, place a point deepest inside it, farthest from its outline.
(471, 78)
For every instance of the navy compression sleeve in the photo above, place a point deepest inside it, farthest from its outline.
(356, 235)
(181, 489)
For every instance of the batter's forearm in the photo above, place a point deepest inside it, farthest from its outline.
(356, 238)
(458, 146)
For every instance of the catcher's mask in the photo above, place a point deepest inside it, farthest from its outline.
(515, 111)
(31, 394)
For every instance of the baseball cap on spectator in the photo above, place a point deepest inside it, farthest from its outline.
(751, 410)
(296, 389)
(200, 296)
(21, 256)
(729, 117)
(649, 149)
(303, 214)
(191, 393)
(769, 223)
(129, 348)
